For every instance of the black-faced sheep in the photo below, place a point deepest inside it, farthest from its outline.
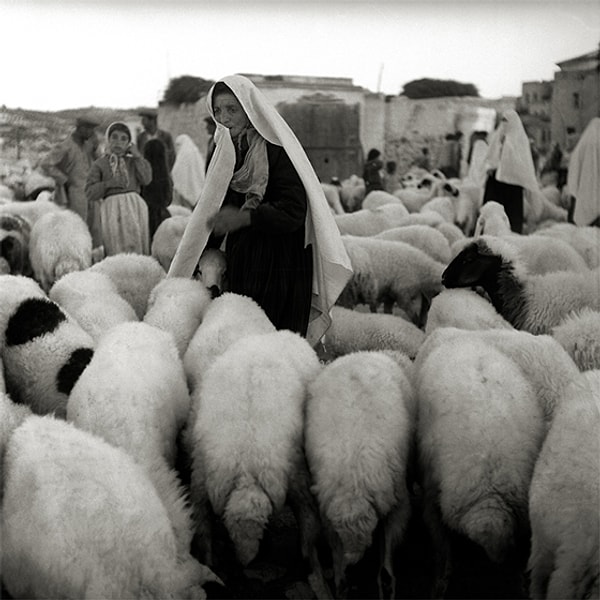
(534, 303)
(14, 245)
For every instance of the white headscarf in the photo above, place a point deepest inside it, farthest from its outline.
(331, 265)
(510, 153)
(583, 178)
(188, 170)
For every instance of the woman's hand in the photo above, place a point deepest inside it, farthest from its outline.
(229, 219)
(133, 150)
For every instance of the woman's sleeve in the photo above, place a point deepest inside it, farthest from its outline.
(284, 209)
(95, 188)
(143, 170)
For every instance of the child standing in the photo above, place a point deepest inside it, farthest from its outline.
(115, 180)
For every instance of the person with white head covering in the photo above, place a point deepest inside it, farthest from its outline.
(510, 168)
(583, 178)
(283, 246)
(115, 180)
(188, 172)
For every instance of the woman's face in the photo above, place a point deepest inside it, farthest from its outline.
(118, 142)
(229, 112)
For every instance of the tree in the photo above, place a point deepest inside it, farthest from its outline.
(438, 88)
(186, 89)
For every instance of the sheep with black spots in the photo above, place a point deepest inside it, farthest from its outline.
(135, 276)
(358, 435)
(390, 273)
(248, 454)
(60, 243)
(564, 498)
(353, 331)
(177, 305)
(134, 395)
(166, 239)
(80, 519)
(92, 300)
(464, 309)
(478, 438)
(43, 349)
(534, 303)
(579, 335)
(14, 245)
(425, 238)
(370, 222)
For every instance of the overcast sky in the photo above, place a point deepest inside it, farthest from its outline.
(57, 54)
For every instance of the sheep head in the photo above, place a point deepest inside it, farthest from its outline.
(473, 266)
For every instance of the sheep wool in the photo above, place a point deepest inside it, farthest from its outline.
(43, 349)
(424, 237)
(579, 334)
(352, 331)
(478, 438)
(92, 299)
(378, 198)
(534, 303)
(14, 244)
(370, 222)
(564, 498)
(81, 520)
(177, 305)
(211, 270)
(135, 275)
(357, 438)
(134, 395)
(166, 239)
(247, 435)
(60, 243)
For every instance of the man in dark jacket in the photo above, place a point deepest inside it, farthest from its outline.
(151, 131)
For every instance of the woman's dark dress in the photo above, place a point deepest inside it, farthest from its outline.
(267, 261)
(509, 196)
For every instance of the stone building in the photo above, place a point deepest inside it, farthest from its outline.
(575, 97)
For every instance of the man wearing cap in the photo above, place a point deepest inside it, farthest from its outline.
(69, 162)
(151, 131)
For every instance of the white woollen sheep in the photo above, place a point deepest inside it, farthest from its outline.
(212, 271)
(452, 232)
(586, 240)
(352, 193)
(166, 239)
(60, 243)
(134, 395)
(358, 435)
(92, 300)
(492, 220)
(426, 238)
(135, 276)
(579, 334)
(378, 198)
(332, 195)
(370, 222)
(177, 305)
(478, 438)
(247, 456)
(353, 331)
(464, 309)
(534, 303)
(564, 498)
(31, 210)
(80, 519)
(227, 319)
(390, 273)
(442, 205)
(43, 349)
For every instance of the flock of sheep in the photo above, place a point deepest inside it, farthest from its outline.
(457, 391)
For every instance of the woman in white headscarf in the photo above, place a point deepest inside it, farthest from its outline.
(583, 178)
(283, 247)
(188, 172)
(510, 168)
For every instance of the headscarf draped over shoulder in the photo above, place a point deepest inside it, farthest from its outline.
(331, 265)
(510, 153)
(583, 178)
